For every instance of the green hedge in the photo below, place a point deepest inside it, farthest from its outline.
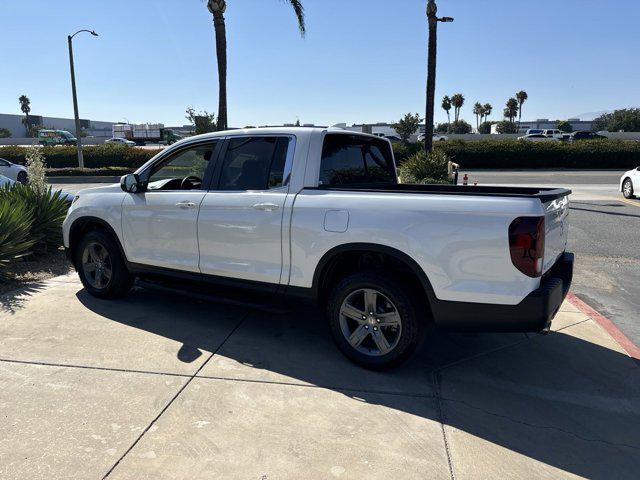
(515, 154)
(95, 156)
(93, 172)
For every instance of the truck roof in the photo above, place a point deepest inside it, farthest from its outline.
(278, 131)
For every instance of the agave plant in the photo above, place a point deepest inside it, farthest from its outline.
(16, 220)
(48, 210)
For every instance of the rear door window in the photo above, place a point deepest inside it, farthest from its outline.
(254, 163)
(356, 160)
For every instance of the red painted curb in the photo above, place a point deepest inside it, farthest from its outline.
(621, 339)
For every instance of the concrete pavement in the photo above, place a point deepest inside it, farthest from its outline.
(162, 386)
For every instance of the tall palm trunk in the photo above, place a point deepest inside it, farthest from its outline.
(221, 53)
(431, 75)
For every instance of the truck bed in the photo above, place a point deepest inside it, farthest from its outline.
(544, 194)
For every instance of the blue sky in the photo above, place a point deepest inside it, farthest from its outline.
(362, 60)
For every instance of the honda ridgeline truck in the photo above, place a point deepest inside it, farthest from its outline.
(319, 213)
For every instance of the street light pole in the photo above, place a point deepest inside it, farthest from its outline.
(75, 96)
(432, 11)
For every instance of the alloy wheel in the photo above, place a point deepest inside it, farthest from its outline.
(96, 265)
(370, 322)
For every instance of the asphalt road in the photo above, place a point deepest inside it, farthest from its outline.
(604, 234)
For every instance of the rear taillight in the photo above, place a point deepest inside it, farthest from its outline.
(526, 245)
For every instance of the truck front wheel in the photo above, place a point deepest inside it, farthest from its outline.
(373, 320)
(101, 267)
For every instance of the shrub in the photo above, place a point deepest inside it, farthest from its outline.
(443, 127)
(83, 172)
(513, 154)
(407, 126)
(15, 227)
(507, 127)
(4, 133)
(95, 156)
(402, 151)
(425, 168)
(35, 169)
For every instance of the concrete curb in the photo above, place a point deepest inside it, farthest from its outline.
(83, 179)
(621, 339)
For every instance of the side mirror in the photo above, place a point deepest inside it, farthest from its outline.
(130, 183)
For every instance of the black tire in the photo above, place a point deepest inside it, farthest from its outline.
(398, 295)
(119, 281)
(22, 178)
(627, 188)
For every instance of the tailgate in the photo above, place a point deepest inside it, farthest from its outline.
(556, 229)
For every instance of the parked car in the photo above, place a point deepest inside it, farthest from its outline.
(13, 171)
(56, 137)
(584, 135)
(318, 213)
(436, 137)
(553, 133)
(538, 137)
(630, 183)
(4, 181)
(534, 130)
(121, 141)
(392, 138)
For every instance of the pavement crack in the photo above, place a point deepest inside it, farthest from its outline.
(180, 390)
(538, 426)
(440, 411)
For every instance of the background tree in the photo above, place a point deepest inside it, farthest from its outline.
(217, 9)
(485, 128)
(4, 133)
(203, 122)
(564, 126)
(25, 107)
(457, 101)
(627, 120)
(461, 127)
(407, 126)
(488, 108)
(478, 111)
(506, 127)
(521, 96)
(511, 110)
(446, 106)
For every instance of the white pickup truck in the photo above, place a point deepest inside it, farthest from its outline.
(319, 213)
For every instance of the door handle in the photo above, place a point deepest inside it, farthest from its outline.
(266, 207)
(185, 204)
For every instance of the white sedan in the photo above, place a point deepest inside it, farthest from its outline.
(121, 141)
(538, 137)
(436, 138)
(15, 172)
(630, 183)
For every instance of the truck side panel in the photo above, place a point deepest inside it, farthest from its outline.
(461, 243)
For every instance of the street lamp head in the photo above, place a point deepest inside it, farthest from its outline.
(446, 19)
(92, 32)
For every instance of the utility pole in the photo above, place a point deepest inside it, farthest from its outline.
(432, 18)
(75, 96)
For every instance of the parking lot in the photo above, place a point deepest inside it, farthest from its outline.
(163, 386)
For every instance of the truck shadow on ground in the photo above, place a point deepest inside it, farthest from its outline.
(560, 399)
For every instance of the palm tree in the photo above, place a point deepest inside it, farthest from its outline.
(446, 106)
(217, 9)
(25, 107)
(511, 111)
(521, 96)
(478, 111)
(457, 101)
(487, 111)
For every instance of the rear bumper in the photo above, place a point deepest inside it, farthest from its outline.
(533, 314)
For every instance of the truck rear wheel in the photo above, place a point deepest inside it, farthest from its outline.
(101, 267)
(373, 320)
